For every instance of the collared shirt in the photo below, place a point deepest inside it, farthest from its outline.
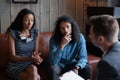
(72, 52)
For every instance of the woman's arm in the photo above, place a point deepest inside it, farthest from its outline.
(37, 43)
(82, 52)
(13, 56)
(55, 52)
(36, 53)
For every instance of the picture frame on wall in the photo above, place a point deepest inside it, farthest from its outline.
(24, 1)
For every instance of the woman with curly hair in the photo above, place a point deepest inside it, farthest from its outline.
(68, 50)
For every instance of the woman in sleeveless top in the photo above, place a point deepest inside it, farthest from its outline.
(23, 44)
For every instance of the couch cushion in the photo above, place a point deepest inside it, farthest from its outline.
(44, 44)
(93, 60)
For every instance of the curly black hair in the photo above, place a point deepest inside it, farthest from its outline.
(75, 30)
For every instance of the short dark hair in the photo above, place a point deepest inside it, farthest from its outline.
(75, 30)
(105, 25)
(17, 23)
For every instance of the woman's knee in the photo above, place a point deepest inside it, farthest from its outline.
(56, 68)
(32, 70)
(88, 68)
(38, 77)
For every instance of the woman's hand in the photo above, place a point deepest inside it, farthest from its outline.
(65, 40)
(75, 69)
(36, 58)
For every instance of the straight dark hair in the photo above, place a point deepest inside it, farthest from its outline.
(17, 24)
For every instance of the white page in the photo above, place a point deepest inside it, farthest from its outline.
(70, 75)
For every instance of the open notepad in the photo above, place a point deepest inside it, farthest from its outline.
(70, 75)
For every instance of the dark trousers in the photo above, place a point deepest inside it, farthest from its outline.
(55, 71)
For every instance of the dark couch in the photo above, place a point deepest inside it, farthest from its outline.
(43, 48)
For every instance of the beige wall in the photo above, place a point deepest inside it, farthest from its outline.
(46, 12)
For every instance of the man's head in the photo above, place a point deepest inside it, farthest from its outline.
(104, 28)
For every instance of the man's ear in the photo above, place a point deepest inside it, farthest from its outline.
(101, 39)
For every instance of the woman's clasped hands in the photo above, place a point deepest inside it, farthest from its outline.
(36, 58)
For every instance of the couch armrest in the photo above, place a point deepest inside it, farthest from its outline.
(93, 60)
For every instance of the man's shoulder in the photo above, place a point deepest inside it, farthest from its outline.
(111, 59)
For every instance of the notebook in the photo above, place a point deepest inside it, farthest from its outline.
(70, 75)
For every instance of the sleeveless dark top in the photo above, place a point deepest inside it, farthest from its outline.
(23, 48)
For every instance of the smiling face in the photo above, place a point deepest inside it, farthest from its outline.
(65, 28)
(28, 21)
